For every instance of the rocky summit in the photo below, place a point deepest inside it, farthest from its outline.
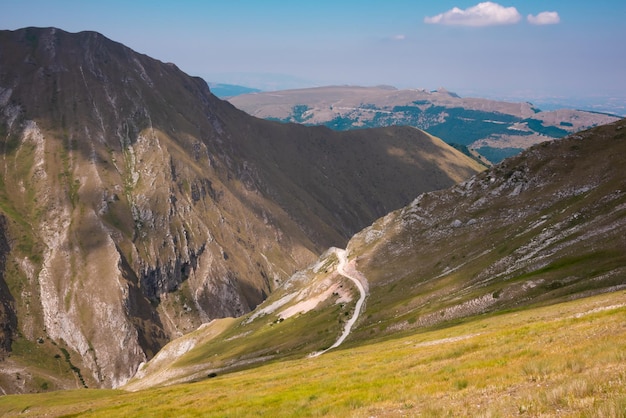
(135, 205)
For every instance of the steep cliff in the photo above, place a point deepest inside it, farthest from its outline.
(8, 318)
(139, 206)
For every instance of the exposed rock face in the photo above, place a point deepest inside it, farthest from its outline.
(542, 227)
(8, 317)
(141, 205)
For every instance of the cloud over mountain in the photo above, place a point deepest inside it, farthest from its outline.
(483, 14)
(544, 18)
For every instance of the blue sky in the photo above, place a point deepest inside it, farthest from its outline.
(494, 48)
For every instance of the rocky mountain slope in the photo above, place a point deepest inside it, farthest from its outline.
(541, 228)
(496, 129)
(136, 206)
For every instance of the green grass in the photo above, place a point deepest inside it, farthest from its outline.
(296, 336)
(46, 368)
(312, 327)
(563, 360)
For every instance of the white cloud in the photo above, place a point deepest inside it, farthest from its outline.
(398, 37)
(483, 14)
(544, 18)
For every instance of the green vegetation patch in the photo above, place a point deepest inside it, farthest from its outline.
(584, 265)
(296, 336)
(297, 113)
(465, 126)
(552, 131)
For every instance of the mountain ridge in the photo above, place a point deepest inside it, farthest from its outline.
(139, 206)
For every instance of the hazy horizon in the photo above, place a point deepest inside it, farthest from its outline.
(518, 49)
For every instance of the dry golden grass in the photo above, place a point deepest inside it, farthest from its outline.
(563, 360)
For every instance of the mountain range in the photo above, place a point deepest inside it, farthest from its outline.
(541, 228)
(494, 129)
(502, 295)
(155, 239)
(136, 206)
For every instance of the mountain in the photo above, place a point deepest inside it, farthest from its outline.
(135, 205)
(542, 228)
(224, 91)
(494, 128)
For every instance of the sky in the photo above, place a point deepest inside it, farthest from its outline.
(508, 48)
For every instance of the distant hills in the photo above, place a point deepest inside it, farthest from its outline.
(495, 129)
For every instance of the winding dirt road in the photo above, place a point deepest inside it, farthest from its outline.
(361, 283)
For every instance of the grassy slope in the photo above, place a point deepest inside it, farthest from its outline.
(565, 359)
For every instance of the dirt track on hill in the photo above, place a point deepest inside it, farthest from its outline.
(349, 271)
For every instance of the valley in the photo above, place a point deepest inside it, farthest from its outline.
(163, 253)
(511, 237)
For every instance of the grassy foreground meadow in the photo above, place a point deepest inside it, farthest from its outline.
(567, 359)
